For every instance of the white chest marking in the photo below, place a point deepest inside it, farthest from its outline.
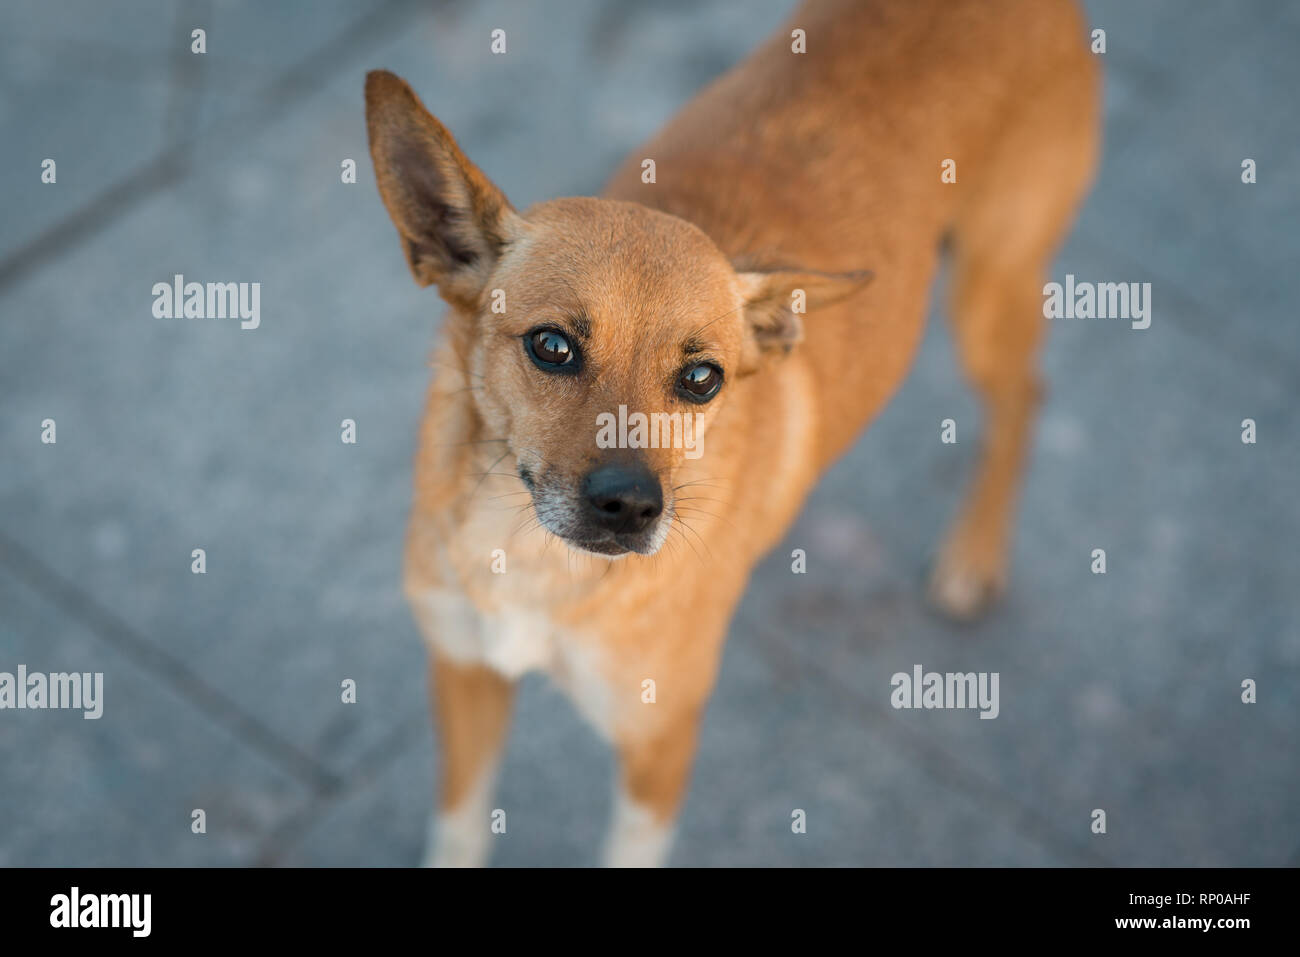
(511, 641)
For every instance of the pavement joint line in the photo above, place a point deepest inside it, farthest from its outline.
(170, 167)
(212, 702)
(186, 80)
(290, 830)
(940, 763)
(158, 174)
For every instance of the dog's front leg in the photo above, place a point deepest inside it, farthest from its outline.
(471, 706)
(656, 765)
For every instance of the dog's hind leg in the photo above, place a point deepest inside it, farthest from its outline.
(997, 335)
(1017, 208)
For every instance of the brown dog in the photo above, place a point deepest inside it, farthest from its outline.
(544, 537)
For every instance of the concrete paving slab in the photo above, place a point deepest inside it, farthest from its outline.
(121, 790)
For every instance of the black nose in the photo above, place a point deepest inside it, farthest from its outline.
(622, 498)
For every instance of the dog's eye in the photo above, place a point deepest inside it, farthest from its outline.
(550, 346)
(701, 382)
(551, 350)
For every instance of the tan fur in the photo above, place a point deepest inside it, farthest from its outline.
(472, 707)
(793, 171)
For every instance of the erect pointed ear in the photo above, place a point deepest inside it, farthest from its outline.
(775, 301)
(453, 221)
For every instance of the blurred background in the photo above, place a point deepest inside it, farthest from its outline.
(222, 691)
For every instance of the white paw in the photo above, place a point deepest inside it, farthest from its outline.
(636, 837)
(453, 841)
(961, 591)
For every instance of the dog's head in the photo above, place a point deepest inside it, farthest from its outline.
(599, 337)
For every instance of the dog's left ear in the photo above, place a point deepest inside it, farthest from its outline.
(453, 220)
(777, 299)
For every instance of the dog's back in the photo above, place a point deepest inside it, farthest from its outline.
(901, 123)
(825, 154)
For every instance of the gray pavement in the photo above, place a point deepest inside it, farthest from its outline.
(1119, 692)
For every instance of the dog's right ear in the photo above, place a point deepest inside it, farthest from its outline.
(452, 220)
(774, 300)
